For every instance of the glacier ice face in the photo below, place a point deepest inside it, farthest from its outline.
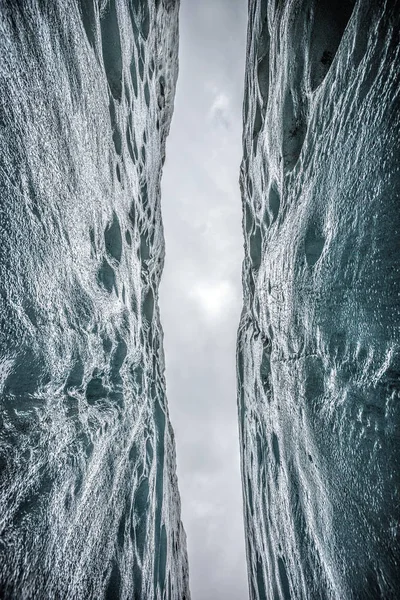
(89, 502)
(318, 343)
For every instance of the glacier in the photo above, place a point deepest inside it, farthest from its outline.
(318, 356)
(89, 502)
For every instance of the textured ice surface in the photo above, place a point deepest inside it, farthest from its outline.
(89, 506)
(318, 346)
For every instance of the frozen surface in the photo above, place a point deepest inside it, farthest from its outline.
(89, 505)
(318, 345)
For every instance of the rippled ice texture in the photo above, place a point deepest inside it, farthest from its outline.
(318, 348)
(89, 506)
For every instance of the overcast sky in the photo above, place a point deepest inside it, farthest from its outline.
(200, 294)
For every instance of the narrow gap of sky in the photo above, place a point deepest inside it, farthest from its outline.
(200, 294)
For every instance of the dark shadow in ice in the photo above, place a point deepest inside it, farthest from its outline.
(256, 248)
(373, 588)
(284, 579)
(263, 63)
(141, 505)
(140, 15)
(147, 94)
(92, 237)
(161, 92)
(95, 390)
(263, 78)
(118, 172)
(162, 557)
(261, 589)
(313, 244)
(89, 20)
(106, 276)
(144, 247)
(33, 500)
(249, 220)
(129, 142)
(117, 137)
(149, 452)
(274, 202)
(330, 21)
(114, 583)
(141, 68)
(111, 45)
(148, 305)
(275, 448)
(107, 345)
(159, 420)
(132, 214)
(134, 75)
(250, 497)
(121, 531)
(258, 121)
(314, 379)
(113, 239)
(294, 132)
(25, 378)
(75, 377)
(265, 368)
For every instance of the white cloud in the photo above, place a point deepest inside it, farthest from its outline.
(220, 110)
(221, 102)
(213, 298)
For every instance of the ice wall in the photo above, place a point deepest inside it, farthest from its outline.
(318, 343)
(89, 505)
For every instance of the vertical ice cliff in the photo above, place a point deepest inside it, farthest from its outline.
(318, 344)
(89, 505)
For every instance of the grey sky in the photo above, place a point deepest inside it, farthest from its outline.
(200, 295)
